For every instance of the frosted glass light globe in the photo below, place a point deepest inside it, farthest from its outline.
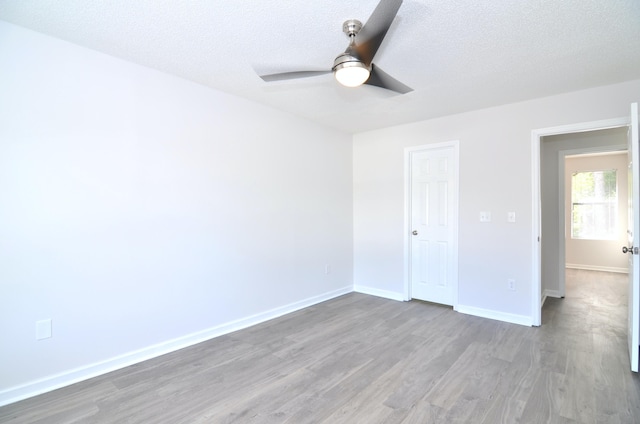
(351, 74)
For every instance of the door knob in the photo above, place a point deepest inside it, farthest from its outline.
(414, 232)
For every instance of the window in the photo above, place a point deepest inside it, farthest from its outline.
(594, 205)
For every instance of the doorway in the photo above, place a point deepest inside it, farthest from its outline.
(538, 213)
(586, 147)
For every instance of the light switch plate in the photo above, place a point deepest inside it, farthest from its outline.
(511, 217)
(485, 216)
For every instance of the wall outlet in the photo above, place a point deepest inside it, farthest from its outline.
(511, 284)
(43, 329)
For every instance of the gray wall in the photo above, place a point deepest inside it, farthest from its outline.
(142, 212)
(495, 175)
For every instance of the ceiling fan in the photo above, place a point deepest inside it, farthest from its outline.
(355, 66)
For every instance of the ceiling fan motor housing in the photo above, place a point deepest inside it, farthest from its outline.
(346, 60)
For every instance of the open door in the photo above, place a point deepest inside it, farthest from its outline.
(633, 241)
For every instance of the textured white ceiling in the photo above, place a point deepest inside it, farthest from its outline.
(456, 55)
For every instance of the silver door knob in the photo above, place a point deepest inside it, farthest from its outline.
(414, 232)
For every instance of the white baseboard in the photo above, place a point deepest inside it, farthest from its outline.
(552, 293)
(598, 268)
(549, 293)
(76, 375)
(379, 293)
(500, 316)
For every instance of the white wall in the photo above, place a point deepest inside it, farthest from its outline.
(551, 150)
(600, 255)
(495, 175)
(141, 212)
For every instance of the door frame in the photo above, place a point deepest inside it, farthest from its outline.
(536, 191)
(408, 153)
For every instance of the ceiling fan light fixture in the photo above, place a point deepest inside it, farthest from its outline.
(351, 74)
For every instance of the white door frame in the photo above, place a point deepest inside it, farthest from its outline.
(536, 213)
(408, 152)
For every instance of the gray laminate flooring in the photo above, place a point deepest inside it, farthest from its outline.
(363, 359)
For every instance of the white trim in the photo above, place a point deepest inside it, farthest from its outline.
(408, 151)
(496, 315)
(76, 375)
(550, 293)
(562, 224)
(598, 268)
(406, 291)
(379, 293)
(536, 226)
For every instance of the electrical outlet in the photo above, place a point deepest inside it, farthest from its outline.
(511, 283)
(43, 329)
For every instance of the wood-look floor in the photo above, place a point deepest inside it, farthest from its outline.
(362, 359)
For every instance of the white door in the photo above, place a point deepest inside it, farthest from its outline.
(433, 226)
(633, 242)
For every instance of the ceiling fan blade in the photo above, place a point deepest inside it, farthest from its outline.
(381, 79)
(370, 37)
(292, 75)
